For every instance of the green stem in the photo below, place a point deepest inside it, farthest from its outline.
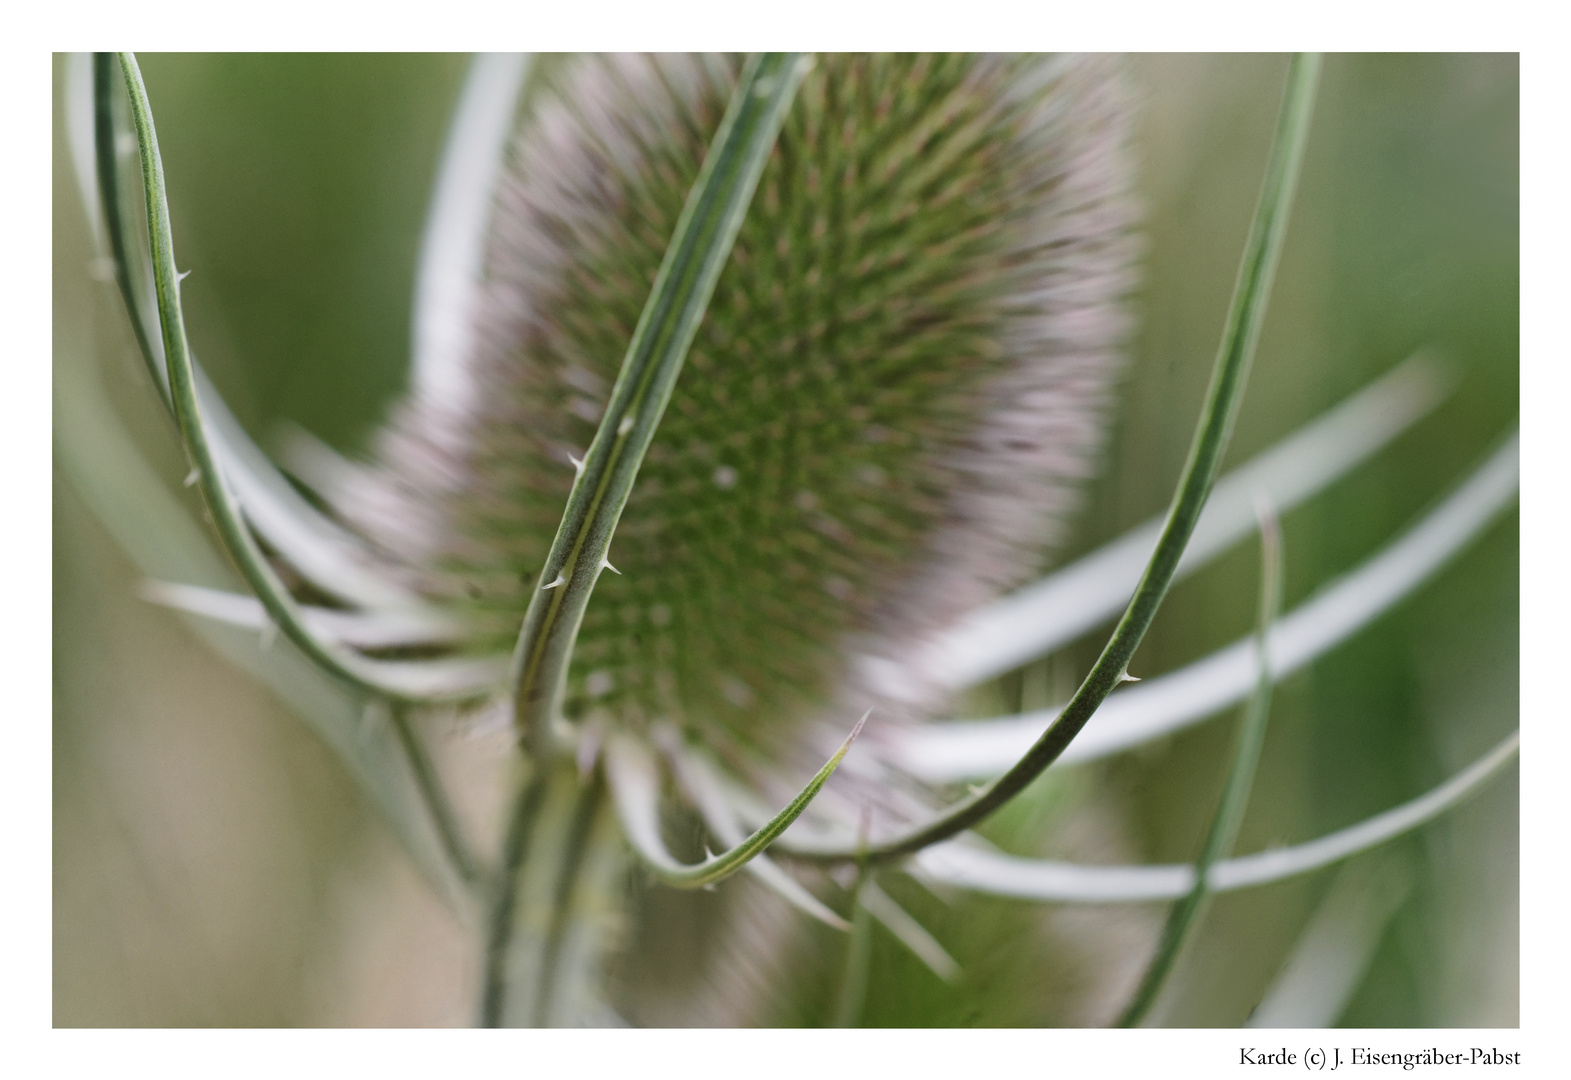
(443, 818)
(383, 680)
(499, 930)
(114, 222)
(236, 537)
(1223, 398)
(858, 960)
(591, 798)
(698, 251)
(1185, 915)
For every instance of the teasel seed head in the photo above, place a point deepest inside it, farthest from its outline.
(900, 384)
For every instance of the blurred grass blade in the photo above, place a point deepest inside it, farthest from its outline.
(910, 933)
(1073, 600)
(852, 995)
(697, 252)
(1185, 915)
(969, 749)
(635, 788)
(81, 132)
(1224, 397)
(123, 492)
(1336, 948)
(972, 866)
(453, 244)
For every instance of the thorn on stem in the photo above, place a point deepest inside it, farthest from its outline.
(578, 465)
(192, 477)
(560, 580)
(606, 565)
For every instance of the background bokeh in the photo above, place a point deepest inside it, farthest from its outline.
(214, 865)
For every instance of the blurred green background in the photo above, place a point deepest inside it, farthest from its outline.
(213, 865)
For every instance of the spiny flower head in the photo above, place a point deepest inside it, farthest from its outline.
(903, 375)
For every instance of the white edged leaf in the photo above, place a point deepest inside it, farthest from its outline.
(452, 245)
(361, 630)
(973, 866)
(327, 555)
(965, 750)
(1093, 589)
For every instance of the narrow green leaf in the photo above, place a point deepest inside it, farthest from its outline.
(635, 787)
(1185, 914)
(398, 683)
(851, 999)
(1239, 337)
(696, 774)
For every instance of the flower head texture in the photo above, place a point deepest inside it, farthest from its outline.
(899, 387)
(902, 379)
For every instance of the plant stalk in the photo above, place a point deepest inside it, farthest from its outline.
(1185, 915)
(697, 253)
(1240, 335)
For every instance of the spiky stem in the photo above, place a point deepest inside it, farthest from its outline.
(499, 932)
(697, 253)
(1223, 399)
(396, 683)
(181, 391)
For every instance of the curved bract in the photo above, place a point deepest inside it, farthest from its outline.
(1035, 879)
(1170, 702)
